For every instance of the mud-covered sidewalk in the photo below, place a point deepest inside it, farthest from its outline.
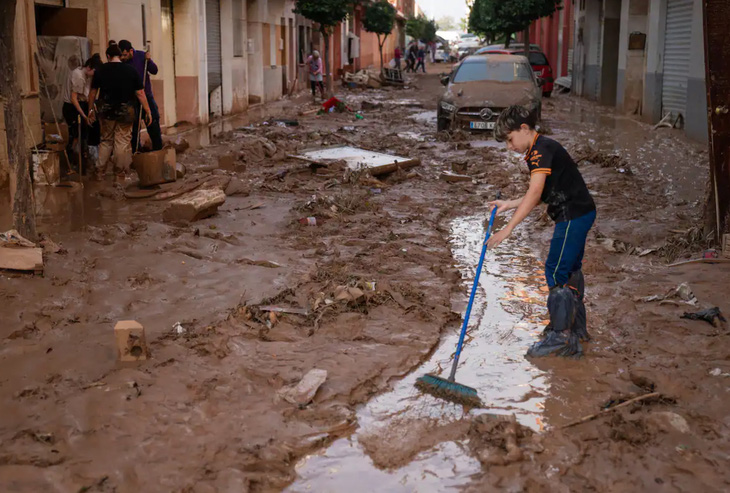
(373, 286)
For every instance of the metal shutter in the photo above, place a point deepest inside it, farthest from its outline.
(213, 43)
(677, 44)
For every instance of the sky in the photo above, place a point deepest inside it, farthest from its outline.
(439, 8)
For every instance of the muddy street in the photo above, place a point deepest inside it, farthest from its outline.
(366, 277)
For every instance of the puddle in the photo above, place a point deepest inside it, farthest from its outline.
(505, 319)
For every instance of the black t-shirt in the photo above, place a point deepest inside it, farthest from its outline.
(565, 192)
(118, 83)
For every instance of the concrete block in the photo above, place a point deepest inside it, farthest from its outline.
(131, 342)
(195, 205)
(227, 162)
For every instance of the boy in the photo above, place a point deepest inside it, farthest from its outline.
(555, 180)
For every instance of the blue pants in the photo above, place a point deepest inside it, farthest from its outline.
(567, 248)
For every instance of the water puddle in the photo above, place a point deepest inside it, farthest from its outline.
(505, 318)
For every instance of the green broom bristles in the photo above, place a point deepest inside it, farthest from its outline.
(448, 390)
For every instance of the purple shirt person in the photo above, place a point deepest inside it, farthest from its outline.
(137, 59)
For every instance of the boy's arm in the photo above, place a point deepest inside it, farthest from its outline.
(528, 202)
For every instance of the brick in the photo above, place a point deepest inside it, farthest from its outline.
(131, 341)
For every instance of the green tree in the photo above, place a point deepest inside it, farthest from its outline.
(496, 18)
(421, 28)
(326, 13)
(379, 19)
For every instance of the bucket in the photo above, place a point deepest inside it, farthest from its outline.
(156, 167)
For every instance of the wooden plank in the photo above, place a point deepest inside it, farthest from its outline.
(23, 259)
(702, 261)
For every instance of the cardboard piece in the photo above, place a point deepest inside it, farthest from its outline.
(46, 167)
(156, 167)
(21, 259)
(51, 129)
(450, 177)
(131, 341)
(376, 162)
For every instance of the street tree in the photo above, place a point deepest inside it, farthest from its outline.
(421, 28)
(379, 18)
(23, 206)
(496, 18)
(327, 14)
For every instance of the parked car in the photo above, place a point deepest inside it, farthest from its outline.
(481, 86)
(538, 61)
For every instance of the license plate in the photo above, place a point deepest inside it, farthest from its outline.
(481, 125)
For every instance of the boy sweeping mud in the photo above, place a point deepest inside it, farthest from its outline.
(555, 180)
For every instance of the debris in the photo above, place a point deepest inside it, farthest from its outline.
(590, 417)
(131, 341)
(46, 167)
(356, 158)
(701, 261)
(726, 245)
(178, 328)
(18, 253)
(310, 221)
(334, 104)
(682, 292)
(302, 393)
(259, 263)
(348, 294)
(236, 187)
(284, 309)
(668, 421)
(450, 177)
(156, 167)
(285, 122)
(710, 315)
(50, 246)
(180, 145)
(195, 205)
(717, 372)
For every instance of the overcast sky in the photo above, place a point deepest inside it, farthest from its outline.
(439, 8)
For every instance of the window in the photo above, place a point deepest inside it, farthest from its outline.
(238, 44)
(481, 70)
(537, 58)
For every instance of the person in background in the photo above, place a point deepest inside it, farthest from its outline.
(421, 59)
(397, 55)
(411, 57)
(75, 104)
(111, 43)
(120, 87)
(138, 59)
(316, 74)
(432, 46)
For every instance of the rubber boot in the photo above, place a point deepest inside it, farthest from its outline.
(561, 339)
(577, 283)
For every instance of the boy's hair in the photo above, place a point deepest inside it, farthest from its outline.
(511, 120)
(94, 62)
(113, 51)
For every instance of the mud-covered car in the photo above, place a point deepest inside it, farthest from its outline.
(481, 86)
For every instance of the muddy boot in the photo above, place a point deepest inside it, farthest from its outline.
(560, 340)
(577, 283)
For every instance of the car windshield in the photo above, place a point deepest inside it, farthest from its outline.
(478, 70)
(537, 58)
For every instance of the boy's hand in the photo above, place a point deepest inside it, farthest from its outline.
(501, 205)
(498, 237)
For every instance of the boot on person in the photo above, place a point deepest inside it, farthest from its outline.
(561, 340)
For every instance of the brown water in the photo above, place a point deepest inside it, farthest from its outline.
(504, 322)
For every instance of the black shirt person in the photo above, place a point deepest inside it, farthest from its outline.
(119, 88)
(555, 180)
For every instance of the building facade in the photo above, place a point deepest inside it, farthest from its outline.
(646, 57)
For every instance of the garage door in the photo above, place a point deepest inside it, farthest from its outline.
(677, 43)
(213, 43)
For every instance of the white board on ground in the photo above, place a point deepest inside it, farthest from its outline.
(357, 158)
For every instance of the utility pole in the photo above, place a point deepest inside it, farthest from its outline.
(717, 79)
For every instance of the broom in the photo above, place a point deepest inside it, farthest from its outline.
(448, 388)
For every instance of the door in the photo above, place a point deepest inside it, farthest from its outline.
(677, 47)
(717, 78)
(213, 50)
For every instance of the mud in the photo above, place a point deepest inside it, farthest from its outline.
(202, 413)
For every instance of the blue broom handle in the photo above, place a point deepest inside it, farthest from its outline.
(452, 377)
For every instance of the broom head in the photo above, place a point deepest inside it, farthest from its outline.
(451, 391)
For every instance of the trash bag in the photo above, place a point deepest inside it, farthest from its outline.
(562, 340)
(710, 315)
